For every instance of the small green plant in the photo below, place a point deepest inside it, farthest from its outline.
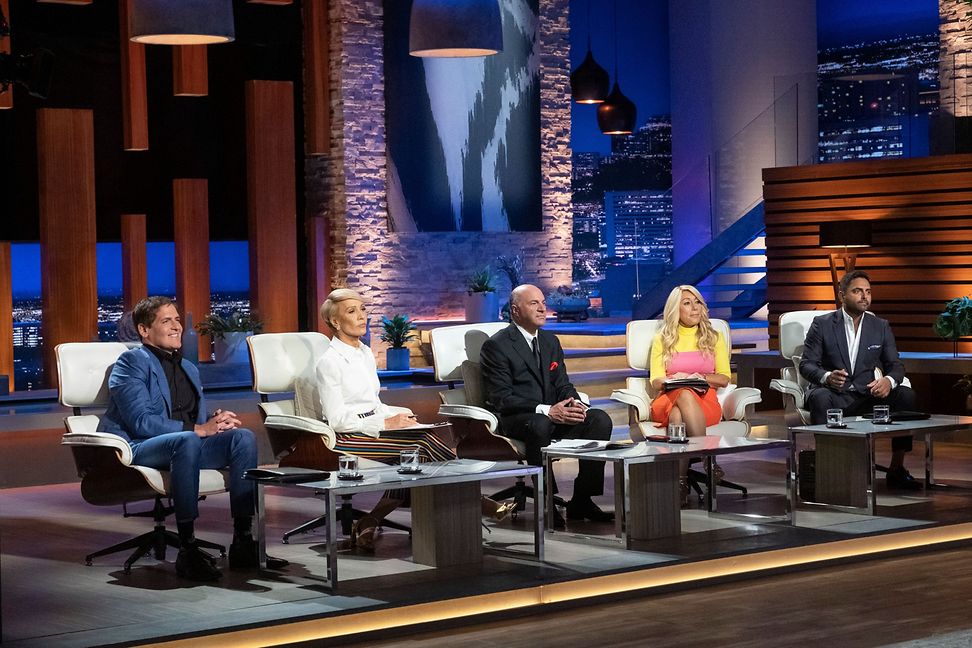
(398, 331)
(956, 320)
(481, 281)
(217, 326)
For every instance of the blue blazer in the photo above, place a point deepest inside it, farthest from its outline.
(140, 404)
(825, 349)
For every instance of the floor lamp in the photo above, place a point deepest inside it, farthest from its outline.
(845, 236)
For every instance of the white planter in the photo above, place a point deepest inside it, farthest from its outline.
(482, 307)
(232, 348)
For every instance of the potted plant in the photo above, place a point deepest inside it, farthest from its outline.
(481, 300)
(964, 387)
(397, 332)
(955, 321)
(229, 334)
(568, 303)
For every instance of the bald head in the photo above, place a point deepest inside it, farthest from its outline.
(528, 307)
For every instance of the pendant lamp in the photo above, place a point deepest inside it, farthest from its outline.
(589, 82)
(182, 22)
(617, 115)
(455, 28)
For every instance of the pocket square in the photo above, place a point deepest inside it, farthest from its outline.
(554, 365)
(873, 346)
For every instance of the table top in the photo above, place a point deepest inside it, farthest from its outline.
(858, 426)
(650, 451)
(433, 474)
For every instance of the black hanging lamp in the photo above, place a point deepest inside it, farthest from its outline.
(618, 114)
(589, 82)
(455, 28)
(182, 22)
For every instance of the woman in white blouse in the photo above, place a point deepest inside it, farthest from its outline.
(347, 380)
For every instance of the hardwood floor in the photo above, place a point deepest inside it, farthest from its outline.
(875, 603)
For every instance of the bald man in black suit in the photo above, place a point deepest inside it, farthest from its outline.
(526, 384)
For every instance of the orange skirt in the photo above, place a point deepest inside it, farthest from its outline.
(661, 407)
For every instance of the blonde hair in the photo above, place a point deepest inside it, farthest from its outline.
(706, 336)
(330, 306)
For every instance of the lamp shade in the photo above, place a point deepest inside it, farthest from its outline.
(182, 22)
(589, 82)
(845, 234)
(455, 28)
(617, 115)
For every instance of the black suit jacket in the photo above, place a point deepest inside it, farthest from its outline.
(825, 349)
(512, 382)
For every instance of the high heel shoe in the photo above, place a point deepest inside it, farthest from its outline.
(364, 532)
(683, 492)
(717, 472)
(497, 511)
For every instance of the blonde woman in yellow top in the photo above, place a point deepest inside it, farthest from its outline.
(688, 347)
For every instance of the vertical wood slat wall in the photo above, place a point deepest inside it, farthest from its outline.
(921, 254)
(318, 278)
(272, 203)
(317, 128)
(66, 192)
(190, 71)
(133, 89)
(6, 99)
(134, 260)
(6, 315)
(190, 212)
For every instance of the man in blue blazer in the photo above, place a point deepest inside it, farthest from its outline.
(851, 362)
(526, 383)
(157, 405)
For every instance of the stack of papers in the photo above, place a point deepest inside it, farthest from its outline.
(578, 444)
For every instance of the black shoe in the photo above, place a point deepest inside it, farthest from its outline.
(558, 520)
(901, 479)
(585, 509)
(195, 564)
(244, 554)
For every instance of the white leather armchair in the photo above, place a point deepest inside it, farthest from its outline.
(104, 461)
(638, 393)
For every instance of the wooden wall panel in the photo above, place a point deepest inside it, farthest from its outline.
(190, 230)
(317, 108)
(921, 254)
(134, 260)
(318, 275)
(134, 96)
(272, 203)
(190, 71)
(6, 99)
(66, 192)
(6, 315)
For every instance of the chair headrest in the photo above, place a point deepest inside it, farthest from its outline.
(793, 331)
(640, 334)
(82, 371)
(280, 358)
(451, 345)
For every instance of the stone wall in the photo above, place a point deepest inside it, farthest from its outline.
(955, 57)
(423, 274)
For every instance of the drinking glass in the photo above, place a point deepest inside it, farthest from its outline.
(881, 414)
(347, 466)
(409, 459)
(676, 431)
(835, 417)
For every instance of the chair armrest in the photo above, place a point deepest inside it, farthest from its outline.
(301, 424)
(788, 388)
(471, 412)
(100, 440)
(634, 398)
(735, 402)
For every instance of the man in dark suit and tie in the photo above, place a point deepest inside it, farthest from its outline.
(526, 383)
(851, 362)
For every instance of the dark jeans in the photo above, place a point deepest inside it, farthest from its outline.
(184, 454)
(538, 430)
(821, 399)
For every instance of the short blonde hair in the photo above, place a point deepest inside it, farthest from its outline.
(330, 306)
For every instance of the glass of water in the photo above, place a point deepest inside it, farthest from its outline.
(676, 431)
(881, 414)
(347, 467)
(835, 418)
(409, 459)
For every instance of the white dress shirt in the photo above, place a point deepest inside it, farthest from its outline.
(347, 380)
